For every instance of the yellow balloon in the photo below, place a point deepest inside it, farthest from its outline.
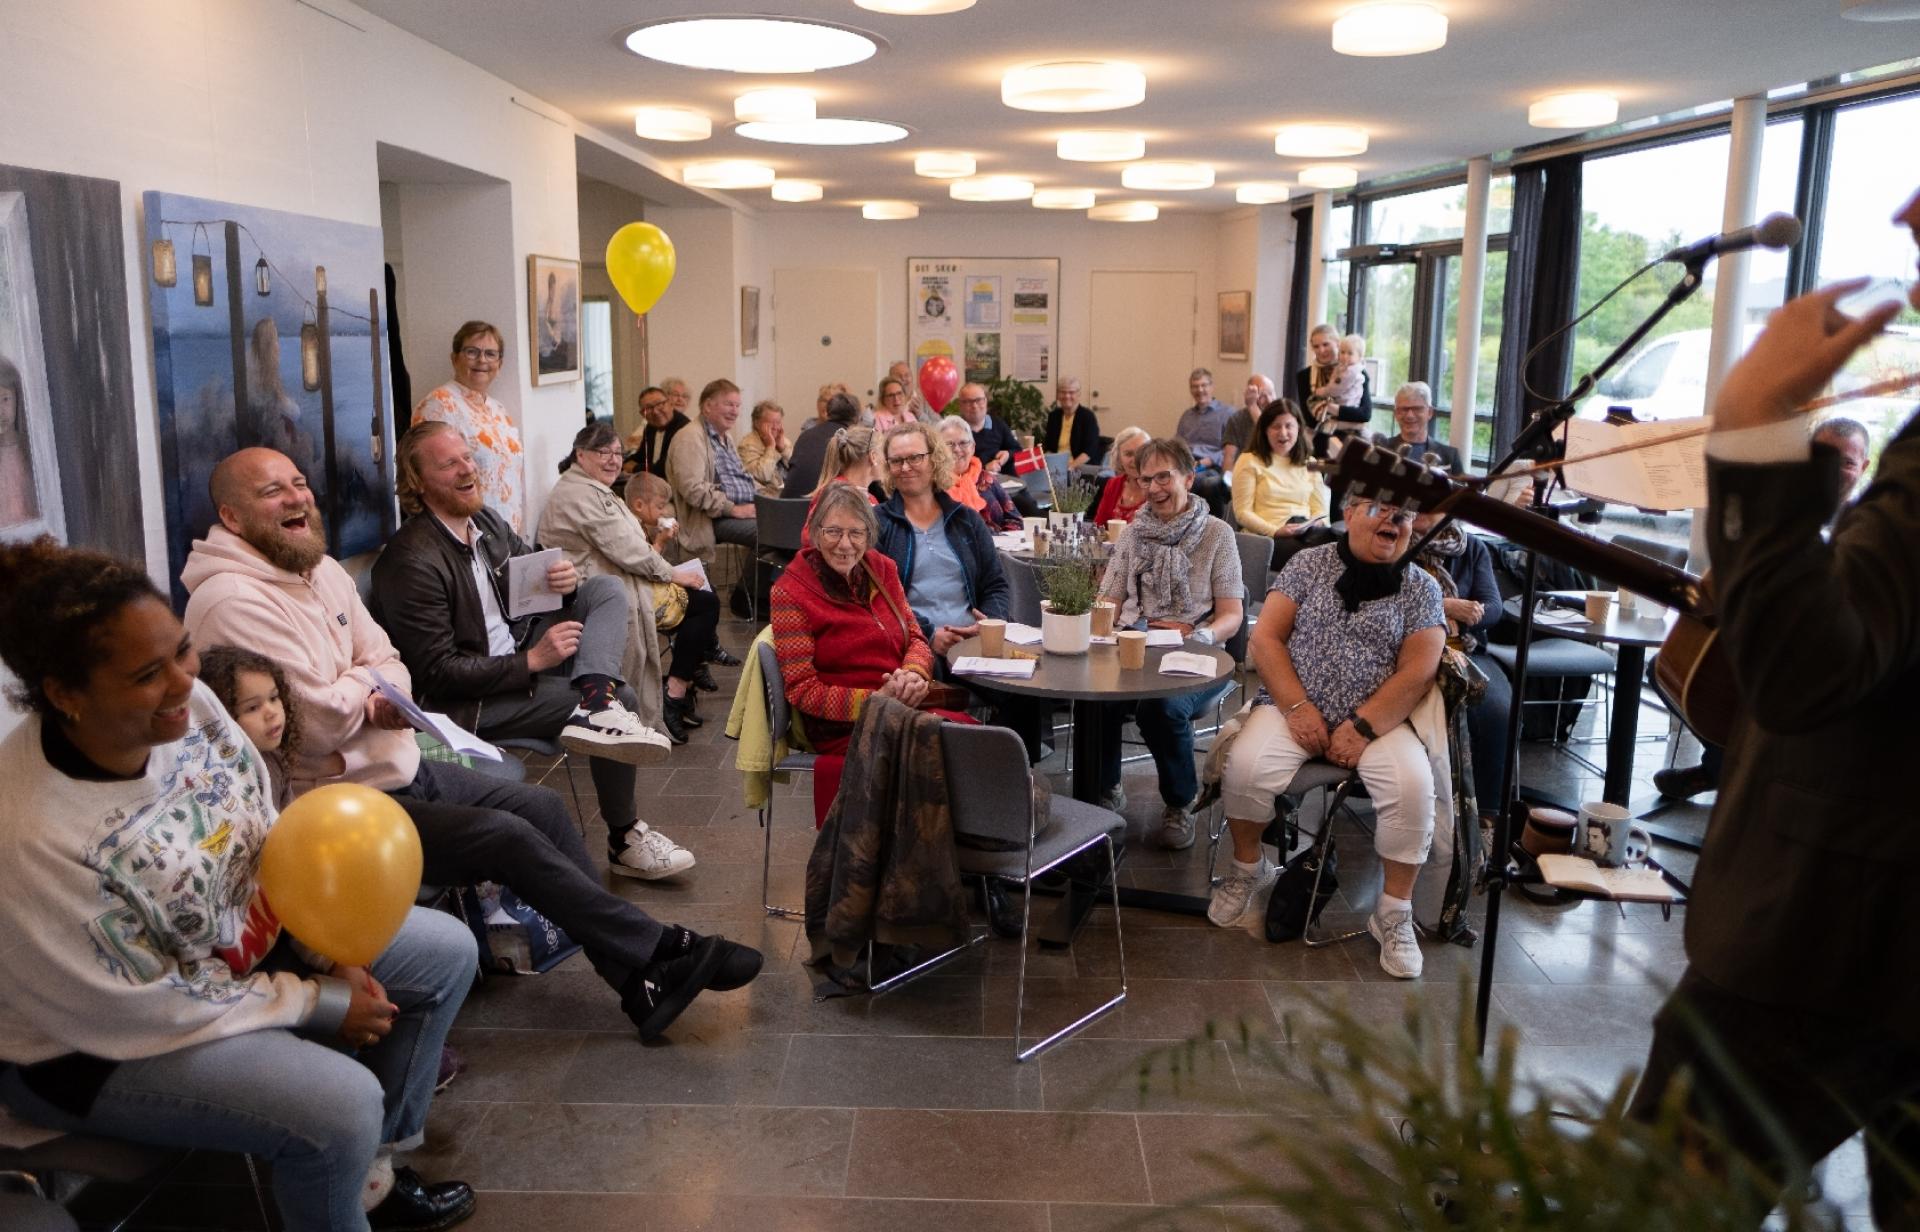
(341, 868)
(640, 261)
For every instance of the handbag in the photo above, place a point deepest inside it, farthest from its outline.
(1461, 681)
(1288, 911)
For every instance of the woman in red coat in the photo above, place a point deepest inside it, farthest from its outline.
(843, 632)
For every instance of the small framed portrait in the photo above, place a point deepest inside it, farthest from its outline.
(1234, 311)
(749, 320)
(553, 319)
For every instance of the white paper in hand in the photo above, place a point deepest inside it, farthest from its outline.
(439, 726)
(527, 589)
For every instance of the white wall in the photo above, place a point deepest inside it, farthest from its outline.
(1254, 253)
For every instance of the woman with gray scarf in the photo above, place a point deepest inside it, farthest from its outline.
(1174, 567)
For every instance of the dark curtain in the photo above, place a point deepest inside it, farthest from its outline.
(1295, 350)
(1543, 280)
(397, 362)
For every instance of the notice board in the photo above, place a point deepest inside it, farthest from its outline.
(993, 316)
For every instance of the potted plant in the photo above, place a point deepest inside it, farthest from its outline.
(1017, 404)
(1070, 504)
(1066, 612)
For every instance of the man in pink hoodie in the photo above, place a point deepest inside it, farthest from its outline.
(262, 580)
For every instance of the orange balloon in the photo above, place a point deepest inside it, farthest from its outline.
(341, 868)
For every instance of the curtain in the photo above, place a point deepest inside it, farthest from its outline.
(1543, 280)
(1295, 349)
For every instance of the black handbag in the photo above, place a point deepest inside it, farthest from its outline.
(1288, 912)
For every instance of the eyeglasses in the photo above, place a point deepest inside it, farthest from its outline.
(973, 402)
(908, 461)
(895, 396)
(653, 405)
(1159, 478)
(1398, 517)
(611, 453)
(476, 355)
(841, 534)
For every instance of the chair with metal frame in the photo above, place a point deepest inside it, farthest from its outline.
(113, 1160)
(779, 726)
(777, 523)
(549, 748)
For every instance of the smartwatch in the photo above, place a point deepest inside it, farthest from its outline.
(1363, 727)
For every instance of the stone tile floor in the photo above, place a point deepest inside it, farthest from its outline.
(766, 1108)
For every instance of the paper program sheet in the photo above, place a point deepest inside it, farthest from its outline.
(527, 589)
(1664, 476)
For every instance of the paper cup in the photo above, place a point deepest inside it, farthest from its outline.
(1597, 607)
(1034, 525)
(993, 638)
(1103, 619)
(1114, 527)
(1627, 600)
(1133, 650)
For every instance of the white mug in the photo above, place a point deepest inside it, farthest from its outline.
(1609, 837)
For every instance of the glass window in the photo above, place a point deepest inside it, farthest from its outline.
(1436, 214)
(1388, 330)
(1492, 304)
(1339, 235)
(596, 356)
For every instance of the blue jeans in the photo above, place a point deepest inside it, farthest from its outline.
(1166, 724)
(317, 1113)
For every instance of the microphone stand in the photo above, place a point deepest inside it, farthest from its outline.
(1535, 441)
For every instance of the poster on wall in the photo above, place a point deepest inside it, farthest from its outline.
(995, 316)
(268, 330)
(69, 458)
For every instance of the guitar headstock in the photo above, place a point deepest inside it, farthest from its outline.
(1382, 475)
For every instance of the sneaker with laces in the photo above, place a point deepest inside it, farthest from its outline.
(1399, 949)
(1235, 892)
(656, 995)
(1115, 801)
(615, 733)
(1176, 829)
(648, 855)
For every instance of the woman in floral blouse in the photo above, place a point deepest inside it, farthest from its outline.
(487, 425)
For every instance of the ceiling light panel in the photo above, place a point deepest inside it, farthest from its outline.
(1329, 175)
(1063, 198)
(797, 190)
(1320, 141)
(1101, 145)
(943, 164)
(823, 131)
(1073, 85)
(751, 44)
(1574, 109)
(1390, 29)
(991, 188)
(672, 124)
(889, 211)
(727, 173)
(780, 106)
(915, 8)
(1125, 211)
(1168, 176)
(1265, 192)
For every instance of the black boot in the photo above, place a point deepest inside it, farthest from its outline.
(719, 654)
(703, 679)
(670, 719)
(687, 707)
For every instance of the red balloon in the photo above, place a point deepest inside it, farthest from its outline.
(938, 381)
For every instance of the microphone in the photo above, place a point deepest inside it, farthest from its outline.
(1773, 231)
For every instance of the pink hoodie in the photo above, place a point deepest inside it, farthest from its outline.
(320, 633)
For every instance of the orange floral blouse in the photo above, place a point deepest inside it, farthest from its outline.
(495, 441)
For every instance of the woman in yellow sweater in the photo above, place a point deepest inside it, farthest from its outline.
(1274, 492)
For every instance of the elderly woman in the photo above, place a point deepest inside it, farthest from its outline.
(843, 632)
(487, 425)
(945, 555)
(600, 534)
(152, 995)
(973, 486)
(1175, 567)
(1274, 491)
(893, 410)
(1123, 494)
(1347, 645)
(765, 451)
(1463, 566)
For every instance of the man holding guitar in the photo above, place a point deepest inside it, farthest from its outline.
(1799, 1014)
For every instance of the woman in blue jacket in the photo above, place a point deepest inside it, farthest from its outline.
(944, 552)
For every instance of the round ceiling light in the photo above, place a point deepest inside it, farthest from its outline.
(1265, 192)
(727, 173)
(889, 211)
(1101, 145)
(1391, 28)
(1063, 198)
(1329, 175)
(1575, 109)
(1073, 85)
(943, 164)
(915, 8)
(1167, 176)
(824, 131)
(1320, 141)
(779, 106)
(672, 124)
(751, 44)
(991, 188)
(797, 190)
(1125, 211)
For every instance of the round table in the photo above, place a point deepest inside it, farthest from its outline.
(1634, 633)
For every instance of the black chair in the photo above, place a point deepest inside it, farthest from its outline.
(104, 1159)
(779, 725)
(778, 523)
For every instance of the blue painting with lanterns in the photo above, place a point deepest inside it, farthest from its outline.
(269, 328)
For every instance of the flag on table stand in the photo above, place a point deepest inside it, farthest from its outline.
(1028, 461)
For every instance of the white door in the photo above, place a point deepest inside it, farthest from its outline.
(1142, 348)
(826, 329)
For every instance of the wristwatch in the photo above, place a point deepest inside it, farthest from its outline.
(1363, 727)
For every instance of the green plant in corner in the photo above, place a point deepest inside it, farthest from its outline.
(1017, 404)
(1069, 588)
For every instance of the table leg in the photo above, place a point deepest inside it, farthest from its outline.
(1632, 666)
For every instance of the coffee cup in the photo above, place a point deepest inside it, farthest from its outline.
(1114, 527)
(1627, 601)
(993, 637)
(1042, 541)
(1133, 650)
(1102, 625)
(1609, 837)
(1597, 602)
(1033, 525)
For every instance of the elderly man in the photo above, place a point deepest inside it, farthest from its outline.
(1072, 428)
(647, 448)
(678, 395)
(262, 579)
(712, 492)
(1239, 434)
(993, 440)
(1413, 411)
(1203, 426)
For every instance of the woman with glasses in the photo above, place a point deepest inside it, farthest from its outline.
(1123, 494)
(893, 410)
(487, 425)
(600, 534)
(973, 485)
(843, 632)
(945, 555)
(1347, 645)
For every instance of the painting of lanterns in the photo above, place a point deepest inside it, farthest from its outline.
(269, 329)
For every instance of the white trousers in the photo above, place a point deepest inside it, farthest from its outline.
(1394, 769)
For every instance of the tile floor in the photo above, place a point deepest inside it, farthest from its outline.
(765, 1108)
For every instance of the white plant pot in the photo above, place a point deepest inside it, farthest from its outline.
(1064, 635)
(1059, 522)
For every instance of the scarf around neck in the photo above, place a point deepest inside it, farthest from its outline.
(1160, 587)
(1362, 582)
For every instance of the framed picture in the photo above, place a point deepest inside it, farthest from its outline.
(1234, 309)
(749, 320)
(553, 319)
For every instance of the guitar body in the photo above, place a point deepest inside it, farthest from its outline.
(1693, 675)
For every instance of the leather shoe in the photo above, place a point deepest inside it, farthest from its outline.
(670, 719)
(721, 655)
(1003, 908)
(417, 1206)
(687, 707)
(703, 679)
(1683, 782)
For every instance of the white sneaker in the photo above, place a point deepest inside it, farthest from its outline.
(1399, 950)
(649, 855)
(615, 733)
(1235, 891)
(1176, 829)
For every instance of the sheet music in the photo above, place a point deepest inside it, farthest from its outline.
(1668, 476)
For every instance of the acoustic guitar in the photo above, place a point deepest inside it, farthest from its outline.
(1690, 671)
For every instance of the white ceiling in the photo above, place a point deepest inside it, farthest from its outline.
(1222, 75)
